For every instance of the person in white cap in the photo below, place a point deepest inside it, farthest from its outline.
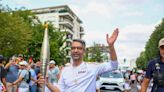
(23, 74)
(53, 72)
(81, 76)
(155, 71)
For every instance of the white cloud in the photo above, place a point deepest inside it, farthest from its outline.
(98, 9)
(95, 8)
(131, 40)
(21, 2)
(95, 36)
(133, 13)
(106, 9)
(136, 32)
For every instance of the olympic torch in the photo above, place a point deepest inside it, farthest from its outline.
(45, 54)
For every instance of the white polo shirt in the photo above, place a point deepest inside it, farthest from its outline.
(83, 77)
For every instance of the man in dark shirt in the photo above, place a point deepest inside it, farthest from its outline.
(2, 74)
(155, 67)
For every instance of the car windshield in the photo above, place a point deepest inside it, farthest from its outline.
(112, 75)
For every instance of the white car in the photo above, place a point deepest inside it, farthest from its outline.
(113, 81)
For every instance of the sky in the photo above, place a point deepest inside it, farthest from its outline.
(136, 20)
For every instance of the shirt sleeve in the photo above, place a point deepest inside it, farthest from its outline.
(107, 66)
(57, 70)
(149, 71)
(61, 83)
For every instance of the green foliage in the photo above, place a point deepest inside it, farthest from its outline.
(21, 32)
(56, 38)
(34, 47)
(151, 48)
(142, 61)
(152, 45)
(58, 50)
(15, 34)
(94, 54)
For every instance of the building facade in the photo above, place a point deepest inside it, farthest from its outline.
(63, 18)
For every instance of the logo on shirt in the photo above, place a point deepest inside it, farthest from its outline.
(80, 72)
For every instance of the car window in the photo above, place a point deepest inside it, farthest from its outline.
(112, 75)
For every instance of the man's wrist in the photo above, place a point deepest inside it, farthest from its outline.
(111, 48)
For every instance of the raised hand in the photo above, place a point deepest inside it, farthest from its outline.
(111, 40)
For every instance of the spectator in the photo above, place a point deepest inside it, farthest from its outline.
(2, 75)
(32, 84)
(23, 77)
(12, 70)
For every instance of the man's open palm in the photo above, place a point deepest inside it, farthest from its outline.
(111, 40)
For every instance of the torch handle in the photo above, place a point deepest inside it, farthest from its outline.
(44, 72)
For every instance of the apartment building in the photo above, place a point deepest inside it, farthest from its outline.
(65, 19)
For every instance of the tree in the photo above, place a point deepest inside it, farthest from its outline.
(56, 40)
(57, 47)
(22, 32)
(15, 34)
(141, 61)
(152, 45)
(151, 48)
(94, 54)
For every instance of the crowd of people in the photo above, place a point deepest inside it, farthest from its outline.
(19, 75)
(133, 79)
(22, 76)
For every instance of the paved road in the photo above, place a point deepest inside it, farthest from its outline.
(134, 87)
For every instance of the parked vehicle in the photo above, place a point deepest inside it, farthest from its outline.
(113, 81)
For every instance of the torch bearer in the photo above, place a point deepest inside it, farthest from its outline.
(45, 54)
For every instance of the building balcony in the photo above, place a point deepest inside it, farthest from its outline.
(66, 23)
(82, 33)
(66, 15)
(67, 30)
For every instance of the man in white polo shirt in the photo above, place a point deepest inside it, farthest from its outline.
(81, 76)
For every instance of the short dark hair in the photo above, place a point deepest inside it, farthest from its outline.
(80, 41)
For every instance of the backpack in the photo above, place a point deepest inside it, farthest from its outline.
(29, 77)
